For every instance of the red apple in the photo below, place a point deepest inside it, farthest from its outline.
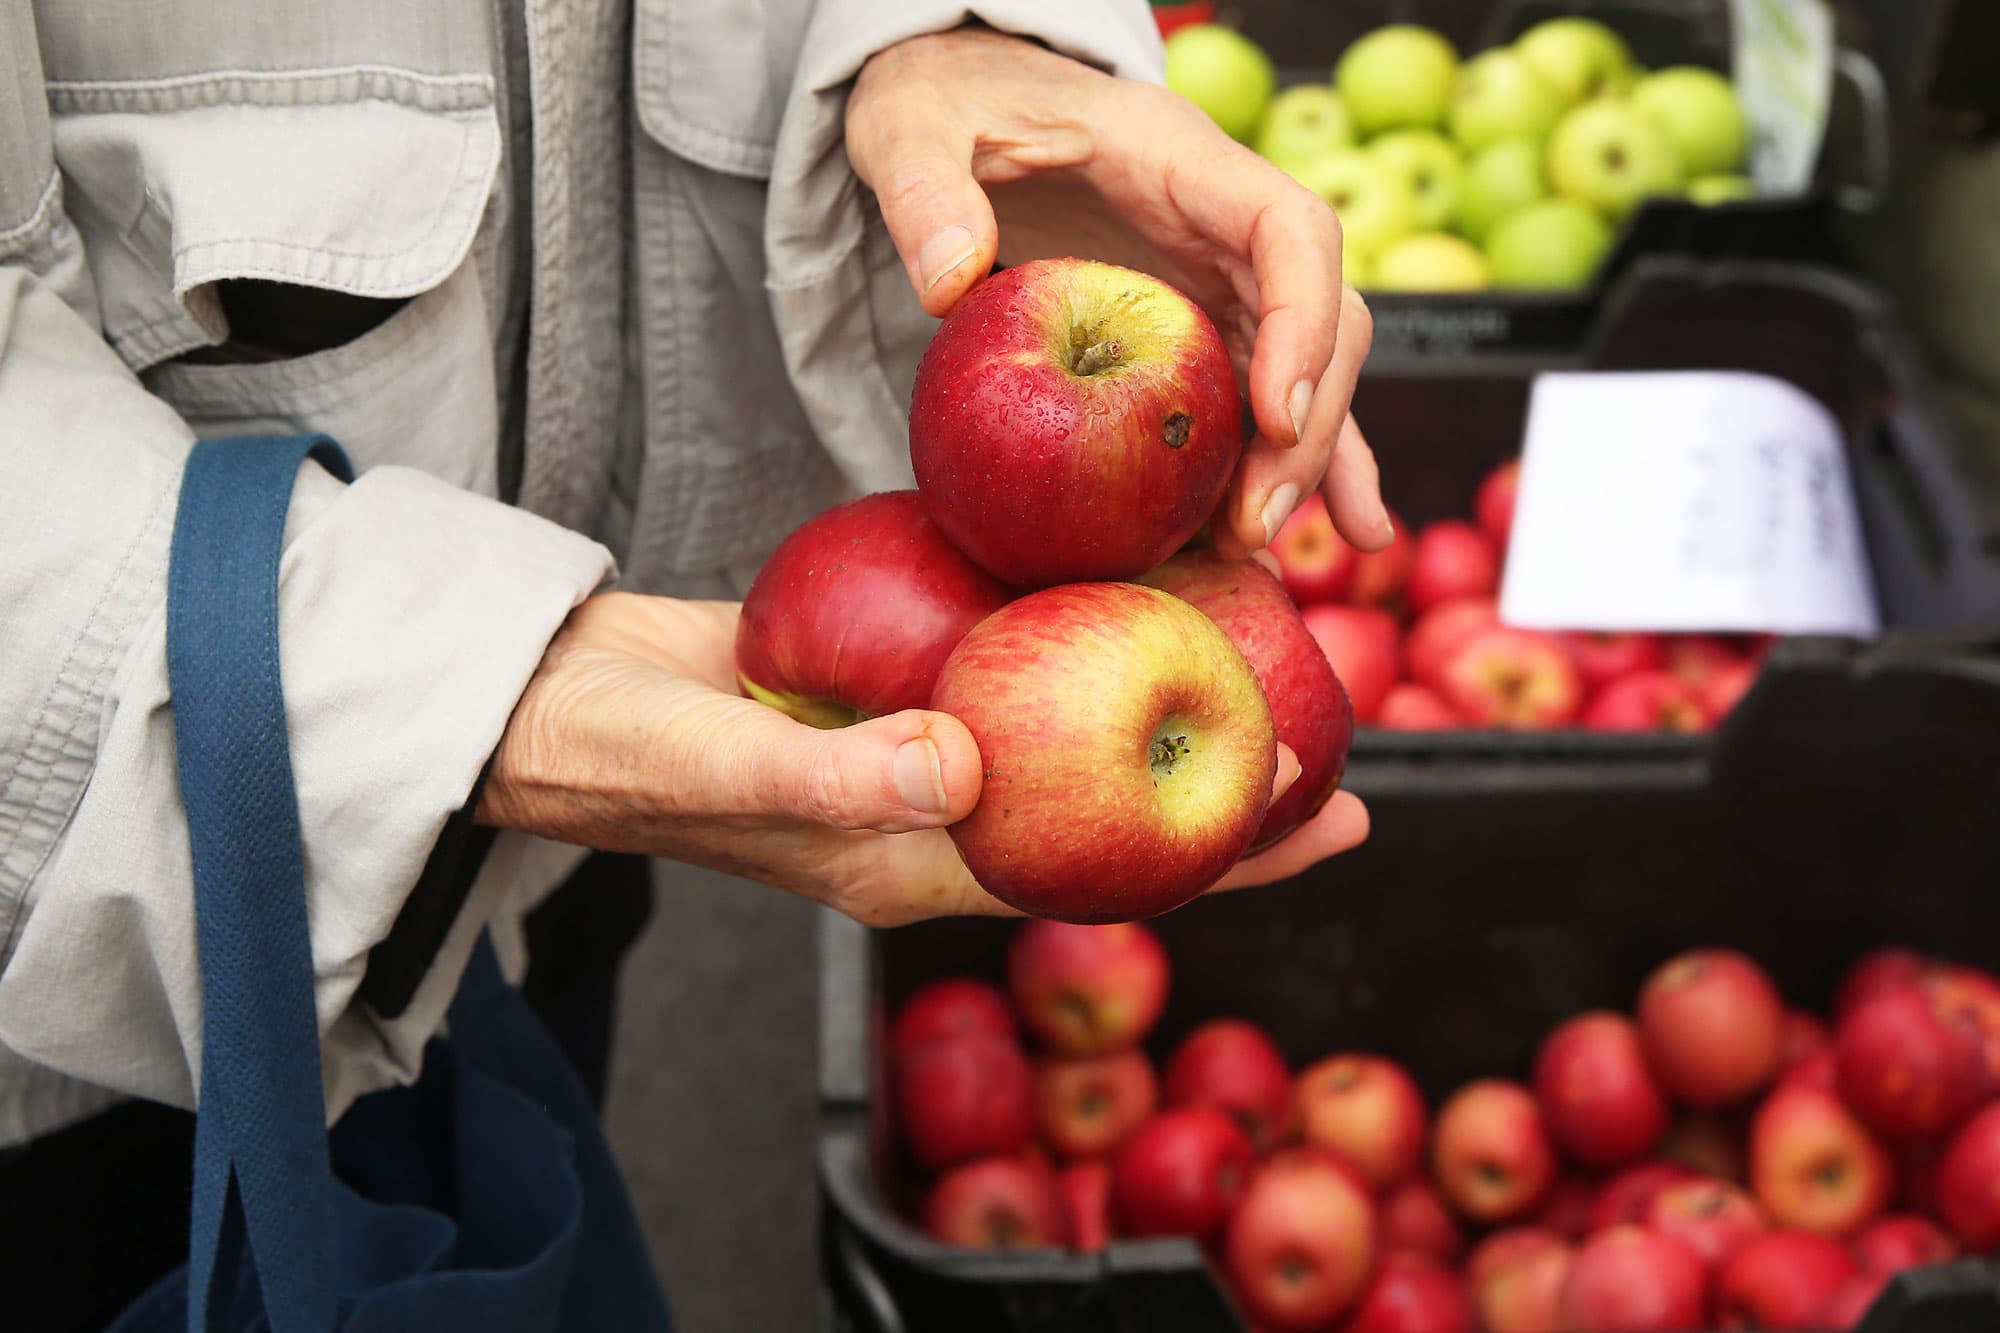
(1366, 1110)
(1706, 1144)
(1627, 1196)
(1630, 1278)
(1878, 970)
(1516, 1278)
(1712, 1216)
(1780, 1280)
(1888, 1245)
(1453, 559)
(1565, 1209)
(1302, 1241)
(1127, 749)
(1516, 679)
(1805, 1037)
(1415, 1217)
(1235, 1067)
(1814, 1166)
(1181, 1174)
(1440, 631)
(996, 1203)
(1602, 657)
(1408, 707)
(1309, 708)
(1597, 1096)
(1969, 1000)
(1073, 421)
(1725, 688)
(952, 1007)
(1379, 576)
(1493, 503)
(1851, 1301)
(964, 1097)
(1086, 1194)
(1363, 646)
(1412, 1293)
(1314, 562)
(1968, 1181)
(1697, 657)
(855, 613)
(1713, 1026)
(1904, 1065)
(1491, 1152)
(1085, 990)
(1646, 701)
(1089, 1104)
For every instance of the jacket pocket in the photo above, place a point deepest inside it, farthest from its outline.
(368, 182)
(711, 79)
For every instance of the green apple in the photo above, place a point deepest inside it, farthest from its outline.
(1304, 122)
(1497, 181)
(1431, 165)
(1553, 245)
(1606, 154)
(1697, 109)
(1397, 76)
(1576, 57)
(1373, 200)
(1721, 189)
(1431, 261)
(1499, 96)
(1355, 270)
(1222, 72)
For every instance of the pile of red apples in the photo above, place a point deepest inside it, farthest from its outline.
(1073, 427)
(1712, 1159)
(1414, 632)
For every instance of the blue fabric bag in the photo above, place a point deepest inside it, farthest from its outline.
(483, 1197)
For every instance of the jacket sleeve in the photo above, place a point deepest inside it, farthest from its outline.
(835, 283)
(412, 615)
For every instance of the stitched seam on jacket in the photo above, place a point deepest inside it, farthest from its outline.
(40, 217)
(428, 92)
(48, 778)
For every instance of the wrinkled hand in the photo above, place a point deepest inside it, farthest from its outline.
(632, 738)
(981, 146)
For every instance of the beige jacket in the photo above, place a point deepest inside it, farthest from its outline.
(642, 296)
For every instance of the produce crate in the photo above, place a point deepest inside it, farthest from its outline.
(1853, 172)
(1511, 881)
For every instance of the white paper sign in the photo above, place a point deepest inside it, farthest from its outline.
(1782, 56)
(1685, 500)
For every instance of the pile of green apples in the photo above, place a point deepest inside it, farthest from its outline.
(1511, 169)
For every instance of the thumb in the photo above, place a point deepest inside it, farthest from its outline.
(906, 771)
(938, 216)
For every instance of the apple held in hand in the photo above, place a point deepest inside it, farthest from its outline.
(1302, 1241)
(1310, 710)
(999, 1203)
(1087, 990)
(855, 612)
(1127, 748)
(1073, 420)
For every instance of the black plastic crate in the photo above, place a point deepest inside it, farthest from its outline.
(1852, 172)
(1513, 880)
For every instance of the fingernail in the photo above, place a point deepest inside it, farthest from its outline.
(1268, 561)
(1299, 404)
(1384, 525)
(920, 776)
(943, 253)
(1279, 508)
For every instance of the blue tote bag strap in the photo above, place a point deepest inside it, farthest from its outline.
(261, 1166)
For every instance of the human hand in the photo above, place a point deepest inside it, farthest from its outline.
(632, 737)
(982, 146)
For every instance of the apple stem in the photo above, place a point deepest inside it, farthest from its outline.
(1098, 357)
